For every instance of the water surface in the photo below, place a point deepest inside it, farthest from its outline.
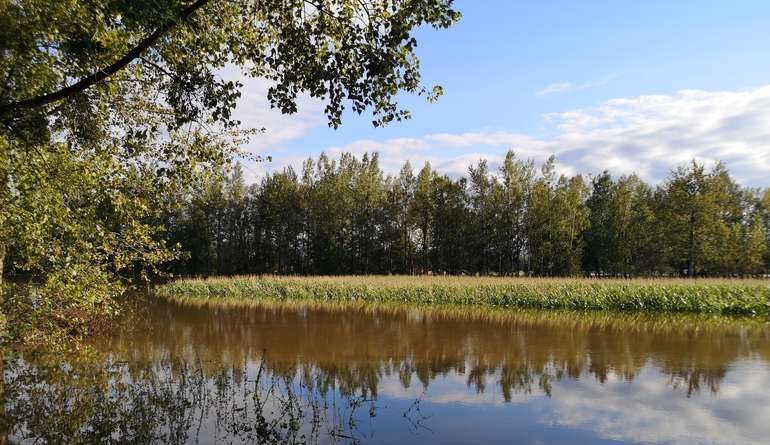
(292, 373)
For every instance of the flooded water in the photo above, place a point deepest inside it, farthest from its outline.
(291, 374)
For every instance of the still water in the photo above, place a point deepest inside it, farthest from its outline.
(177, 373)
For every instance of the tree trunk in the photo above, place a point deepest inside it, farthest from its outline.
(2, 262)
(3, 434)
(407, 266)
(691, 251)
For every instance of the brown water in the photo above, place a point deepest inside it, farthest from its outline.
(198, 374)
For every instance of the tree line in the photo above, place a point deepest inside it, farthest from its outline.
(346, 216)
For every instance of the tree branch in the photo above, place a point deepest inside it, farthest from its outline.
(102, 74)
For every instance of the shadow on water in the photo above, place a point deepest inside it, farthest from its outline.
(303, 373)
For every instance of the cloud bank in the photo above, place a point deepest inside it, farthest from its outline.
(648, 409)
(648, 135)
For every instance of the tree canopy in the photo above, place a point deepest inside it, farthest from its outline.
(347, 216)
(108, 107)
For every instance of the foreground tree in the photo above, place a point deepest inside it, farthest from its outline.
(105, 106)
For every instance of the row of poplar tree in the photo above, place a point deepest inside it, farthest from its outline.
(346, 216)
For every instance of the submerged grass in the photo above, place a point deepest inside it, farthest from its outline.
(722, 296)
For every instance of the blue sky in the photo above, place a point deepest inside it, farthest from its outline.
(620, 85)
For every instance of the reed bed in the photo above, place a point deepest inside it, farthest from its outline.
(708, 296)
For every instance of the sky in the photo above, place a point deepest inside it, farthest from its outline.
(626, 86)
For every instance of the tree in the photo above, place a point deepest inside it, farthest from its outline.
(620, 218)
(763, 209)
(484, 210)
(106, 105)
(539, 220)
(557, 218)
(368, 197)
(422, 211)
(754, 248)
(699, 209)
(571, 220)
(640, 248)
(517, 182)
(347, 216)
(236, 251)
(451, 251)
(338, 50)
(280, 208)
(404, 189)
(599, 238)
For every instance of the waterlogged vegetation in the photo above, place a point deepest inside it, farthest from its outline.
(718, 296)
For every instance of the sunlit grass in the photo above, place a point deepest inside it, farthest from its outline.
(726, 296)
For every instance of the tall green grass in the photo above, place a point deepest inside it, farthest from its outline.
(745, 297)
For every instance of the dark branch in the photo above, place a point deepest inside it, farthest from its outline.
(102, 74)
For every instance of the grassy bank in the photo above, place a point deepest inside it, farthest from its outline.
(747, 297)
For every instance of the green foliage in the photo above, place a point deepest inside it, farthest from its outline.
(698, 209)
(347, 216)
(722, 297)
(621, 239)
(349, 53)
(111, 110)
(556, 218)
(77, 224)
(70, 304)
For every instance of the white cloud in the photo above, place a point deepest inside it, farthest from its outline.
(254, 111)
(649, 411)
(558, 87)
(564, 87)
(648, 135)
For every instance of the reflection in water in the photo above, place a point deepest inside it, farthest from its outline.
(169, 403)
(390, 375)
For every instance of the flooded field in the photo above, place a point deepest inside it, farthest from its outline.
(293, 373)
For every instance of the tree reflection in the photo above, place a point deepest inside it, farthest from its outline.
(306, 375)
(352, 350)
(168, 403)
